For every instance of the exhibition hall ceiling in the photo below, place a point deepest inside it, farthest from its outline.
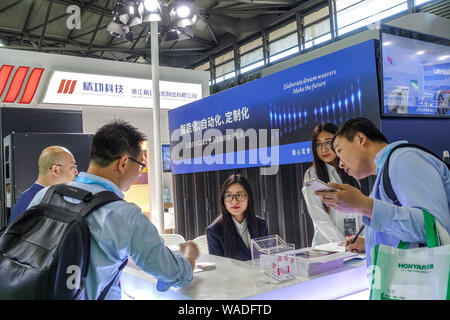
(83, 27)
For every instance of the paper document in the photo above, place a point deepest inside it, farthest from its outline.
(204, 266)
(332, 246)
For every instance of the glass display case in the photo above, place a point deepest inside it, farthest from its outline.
(273, 260)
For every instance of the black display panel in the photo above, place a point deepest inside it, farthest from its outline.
(26, 148)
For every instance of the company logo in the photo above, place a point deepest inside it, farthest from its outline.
(390, 61)
(16, 84)
(445, 72)
(415, 267)
(67, 86)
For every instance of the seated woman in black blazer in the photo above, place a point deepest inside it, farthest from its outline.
(229, 235)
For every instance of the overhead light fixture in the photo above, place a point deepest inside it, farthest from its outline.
(171, 35)
(151, 17)
(115, 29)
(124, 18)
(129, 36)
(152, 11)
(151, 5)
(420, 52)
(183, 14)
(135, 21)
(183, 11)
(183, 23)
(130, 13)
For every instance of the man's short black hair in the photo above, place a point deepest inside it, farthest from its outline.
(363, 125)
(113, 140)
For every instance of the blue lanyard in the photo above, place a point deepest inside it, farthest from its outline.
(92, 181)
(383, 160)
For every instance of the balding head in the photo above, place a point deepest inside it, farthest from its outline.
(56, 165)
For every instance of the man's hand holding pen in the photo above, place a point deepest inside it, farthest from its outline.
(358, 246)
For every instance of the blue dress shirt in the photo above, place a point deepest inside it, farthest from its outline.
(119, 230)
(420, 181)
(24, 200)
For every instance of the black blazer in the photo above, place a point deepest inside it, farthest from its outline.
(214, 235)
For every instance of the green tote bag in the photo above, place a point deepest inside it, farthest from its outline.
(413, 274)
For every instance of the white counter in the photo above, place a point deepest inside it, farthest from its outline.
(233, 280)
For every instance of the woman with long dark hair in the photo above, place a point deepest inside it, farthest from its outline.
(329, 225)
(230, 234)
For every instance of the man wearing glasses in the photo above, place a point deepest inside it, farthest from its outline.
(118, 229)
(56, 165)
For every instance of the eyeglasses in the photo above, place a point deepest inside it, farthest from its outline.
(228, 197)
(326, 144)
(74, 167)
(142, 166)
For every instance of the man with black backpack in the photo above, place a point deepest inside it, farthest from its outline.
(118, 229)
(409, 178)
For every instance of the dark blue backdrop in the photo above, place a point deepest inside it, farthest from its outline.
(433, 134)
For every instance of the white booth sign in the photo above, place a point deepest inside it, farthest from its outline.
(101, 90)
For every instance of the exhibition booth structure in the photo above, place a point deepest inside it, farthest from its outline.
(263, 128)
(100, 91)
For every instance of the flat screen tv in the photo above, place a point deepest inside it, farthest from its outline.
(166, 157)
(416, 78)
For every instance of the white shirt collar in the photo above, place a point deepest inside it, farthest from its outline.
(241, 226)
(243, 231)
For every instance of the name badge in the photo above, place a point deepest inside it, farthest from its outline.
(349, 226)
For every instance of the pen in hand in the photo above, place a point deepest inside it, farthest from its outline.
(357, 235)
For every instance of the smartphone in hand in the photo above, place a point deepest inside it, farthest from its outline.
(318, 185)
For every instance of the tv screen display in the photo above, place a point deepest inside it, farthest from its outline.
(416, 77)
(166, 157)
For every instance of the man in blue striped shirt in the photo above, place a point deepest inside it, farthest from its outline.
(420, 181)
(119, 229)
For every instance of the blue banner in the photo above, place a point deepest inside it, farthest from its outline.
(269, 121)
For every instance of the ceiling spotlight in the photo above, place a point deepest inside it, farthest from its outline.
(183, 11)
(171, 35)
(116, 29)
(135, 21)
(183, 23)
(182, 14)
(124, 18)
(151, 17)
(151, 5)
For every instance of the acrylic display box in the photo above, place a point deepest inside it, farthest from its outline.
(273, 260)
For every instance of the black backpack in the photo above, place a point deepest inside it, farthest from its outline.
(44, 253)
(387, 181)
